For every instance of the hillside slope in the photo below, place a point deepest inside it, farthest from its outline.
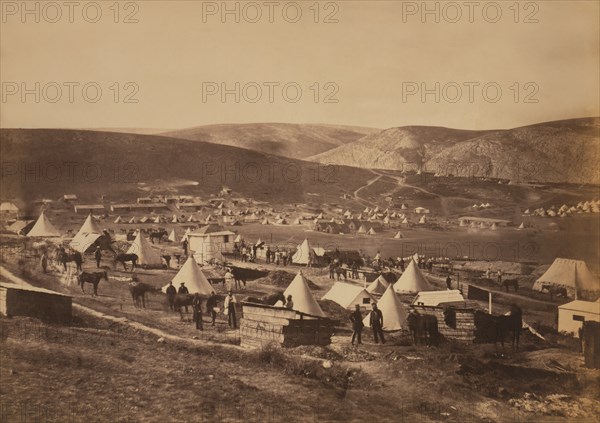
(561, 151)
(289, 140)
(49, 163)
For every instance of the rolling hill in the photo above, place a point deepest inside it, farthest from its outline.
(283, 139)
(560, 151)
(47, 163)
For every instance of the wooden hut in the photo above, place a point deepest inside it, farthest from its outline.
(262, 324)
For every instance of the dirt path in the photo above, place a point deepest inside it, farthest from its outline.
(6, 274)
(369, 183)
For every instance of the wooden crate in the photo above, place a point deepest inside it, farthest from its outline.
(263, 324)
(465, 323)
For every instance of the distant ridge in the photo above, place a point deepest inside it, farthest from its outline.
(559, 151)
(284, 139)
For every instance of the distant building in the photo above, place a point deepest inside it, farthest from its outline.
(69, 197)
(190, 206)
(89, 208)
(151, 207)
(210, 239)
(572, 315)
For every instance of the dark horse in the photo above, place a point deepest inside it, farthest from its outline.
(123, 258)
(93, 278)
(138, 293)
(185, 300)
(423, 326)
(159, 235)
(494, 328)
(511, 282)
(76, 257)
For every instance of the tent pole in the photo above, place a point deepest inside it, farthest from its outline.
(490, 302)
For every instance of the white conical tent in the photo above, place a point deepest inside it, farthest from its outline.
(195, 281)
(461, 223)
(574, 275)
(378, 286)
(398, 235)
(118, 219)
(362, 229)
(371, 232)
(392, 311)
(174, 219)
(405, 221)
(303, 252)
(494, 227)
(132, 220)
(43, 228)
(147, 255)
(348, 295)
(412, 280)
(87, 235)
(185, 235)
(172, 236)
(521, 226)
(302, 297)
(422, 220)
(238, 238)
(265, 221)
(297, 222)
(90, 225)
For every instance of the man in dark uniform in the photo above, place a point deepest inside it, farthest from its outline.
(402, 265)
(171, 294)
(448, 282)
(197, 311)
(98, 256)
(376, 322)
(185, 247)
(357, 325)
(183, 290)
(331, 270)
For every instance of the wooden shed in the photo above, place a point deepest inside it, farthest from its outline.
(459, 325)
(591, 344)
(21, 300)
(262, 324)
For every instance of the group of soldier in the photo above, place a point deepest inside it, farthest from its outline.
(375, 321)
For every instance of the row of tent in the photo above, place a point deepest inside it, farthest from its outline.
(564, 210)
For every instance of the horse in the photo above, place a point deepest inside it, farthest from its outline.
(93, 278)
(185, 300)
(555, 290)
(76, 257)
(138, 292)
(158, 235)
(511, 282)
(494, 328)
(423, 326)
(123, 258)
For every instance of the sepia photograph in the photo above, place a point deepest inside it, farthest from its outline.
(299, 211)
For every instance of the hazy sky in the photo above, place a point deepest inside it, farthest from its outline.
(375, 61)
